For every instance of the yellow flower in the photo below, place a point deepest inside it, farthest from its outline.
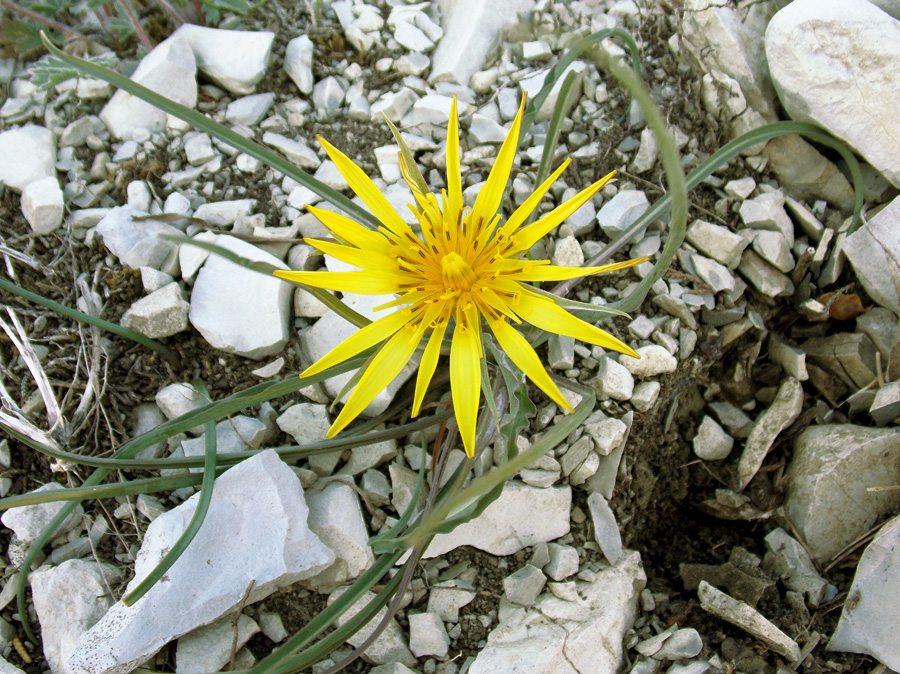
(466, 266)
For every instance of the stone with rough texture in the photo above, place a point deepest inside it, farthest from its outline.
(620, 212)
(27, 153)
(27, 522)
(208, 648)
(684, 643)
(336, 518)
(390, 646)
(568, 637)
(160, 314)
(446, 598)
(471, 29)
(829, 60)
(170, 70)
(830, 474)
(233, 59)
(606, 529)
(613, 380)
(298, 59)
(870, 623)
(69, 600)
(524, 586)
(716, 241)
(748, 619)
(427, 635)
(654, 360)
(712, 443)
(258, 508)
(874, 252)
(137, 243)
(801, 574)
(42, 205)
(783, 411)
(520, 517)
(238, 310)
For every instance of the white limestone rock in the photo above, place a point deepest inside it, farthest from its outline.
(42, 205)
(137, 243)
(27, 154)
(783, 411)
(69, 600)
(620, 212)
(250, 110)
(830, 87)
(389, 647)
(716, 241)
(235, 434)
(606, 529)
(712, 443)
(568, 637)
(446, 598)
(471, 29)
(830, 474)
(27, 522)
(336, 517)
(208, 648)
(233, 59)
(613, 380)
(427, 635)
(522, 516)
(874, 253)
(654, 360)
(170, 70)
(298, 58)
(870, 622)
(162, 313)
(258, 509)
(238, 310)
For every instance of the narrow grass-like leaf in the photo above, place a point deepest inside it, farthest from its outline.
(223, 133)
(560, 111)
(92, 320)
(193, 527)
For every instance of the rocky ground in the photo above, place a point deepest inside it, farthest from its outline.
(710, 515)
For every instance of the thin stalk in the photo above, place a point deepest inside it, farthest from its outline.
(139, 29)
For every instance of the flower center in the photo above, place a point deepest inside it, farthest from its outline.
(456, 273)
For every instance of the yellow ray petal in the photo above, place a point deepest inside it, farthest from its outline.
(386, 365)
(366, 190)
(552, 273)
(525, 358)
(488, 200)
(546, 315)
(528, 236)
(350, 231)
(427, 366)
(361, 340)
(359, 282)
(454, 186)
(365, 258)
(521, 214)
(465, 382)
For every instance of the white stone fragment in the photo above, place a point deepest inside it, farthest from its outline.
(42, 205)
(170, 70)
(829, 87)
(238, 310)
(606, 529)
(233, 59)
(298, 59)
(445, 599)
(28, 522)
(524, 586)
(654, 360)
(336, 517)
(560, 636)
(716, 241)
(712, 443)
(258, 508)
(520, 517)
(791, 359)
(645, 158)
(767, 212)
(162, 313)
(296, 150)
(764, 277)
(740, 188)
(620, 212)
(208, 648)
(613, 380)
(563, 561)
(486, 130)
(27, 154)
(137, 243)
(177, 399)
(225, 213)
(250, 110)
(568, 253)
(832, 474)
(411, 38)
(871, 615)
(748, 619)
(874, 252)
(427, 635)
(645, 395)
(471, 29)
(773, 248)
(69, 600)
(715, 275)
(783, 411)
(801, 576)
(390, 646)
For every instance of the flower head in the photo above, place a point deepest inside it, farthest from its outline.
(465, 270)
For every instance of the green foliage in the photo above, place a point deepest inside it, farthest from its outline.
(53, 71)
